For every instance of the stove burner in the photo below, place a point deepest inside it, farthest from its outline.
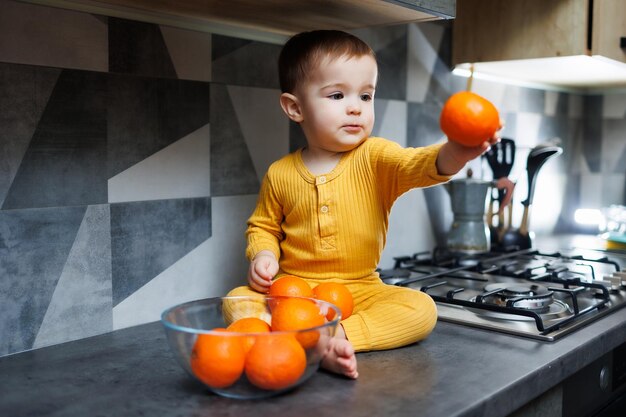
(530, 297)
(555, 311)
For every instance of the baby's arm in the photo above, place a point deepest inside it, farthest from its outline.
(262, 269)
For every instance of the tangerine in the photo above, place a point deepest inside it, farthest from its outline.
(218, 360)
(337, 294)
(275, 362)
(249, 325)
(469, 119)
(293, 314)
(290, 286)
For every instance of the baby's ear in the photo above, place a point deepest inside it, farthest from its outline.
(291, 107)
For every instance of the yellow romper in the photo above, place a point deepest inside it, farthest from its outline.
(333, 227)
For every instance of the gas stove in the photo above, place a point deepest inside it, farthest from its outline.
(527, 293)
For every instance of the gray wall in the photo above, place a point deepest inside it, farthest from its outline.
(131, 155)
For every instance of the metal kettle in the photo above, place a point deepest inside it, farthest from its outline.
(469, 233)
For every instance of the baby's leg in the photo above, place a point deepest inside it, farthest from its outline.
(340, 357)
(387, 317)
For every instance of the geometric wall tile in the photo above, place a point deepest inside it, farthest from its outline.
(574, 106)
(243, 62)
(25, 92)
(34, 245)
(138, 48)
(211, 269)
(149, 236)
(181, 170)
(614, 146)
(232, 170)
(550, 103)
(527, 130)
(81, 303)
(190, 52)
(510, 125)
(556, 104)
(390, 46)
(614, 106)
(592, 132)
(262, 121)
(391, 116)
(147, 114)
(410, 228)
(439, 212)
(423, 123)
(531, 100)
(52, 37)
(424, 41)
(66, 159)
(392, 71)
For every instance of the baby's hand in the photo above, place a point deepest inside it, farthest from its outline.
(465, 154)
(262, 269)
(453, 156)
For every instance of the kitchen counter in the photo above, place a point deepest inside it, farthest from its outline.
(457, 371)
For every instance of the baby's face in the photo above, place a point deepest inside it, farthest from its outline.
(337, 103)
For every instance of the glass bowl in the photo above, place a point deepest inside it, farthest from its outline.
(190, 324)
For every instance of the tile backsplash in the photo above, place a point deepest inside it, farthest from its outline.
(131, 156)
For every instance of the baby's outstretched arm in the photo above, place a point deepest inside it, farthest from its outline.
(261, 271)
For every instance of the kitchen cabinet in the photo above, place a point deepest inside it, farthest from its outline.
(572, 31)
(492, 30)
(268, 20)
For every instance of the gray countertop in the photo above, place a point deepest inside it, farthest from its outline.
(457, 371)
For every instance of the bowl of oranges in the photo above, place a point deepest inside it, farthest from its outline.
(250, 347)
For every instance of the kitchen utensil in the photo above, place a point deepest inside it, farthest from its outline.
(185, 323)
(522, 237)
(469, 232)
(509, 220)
(500, 158)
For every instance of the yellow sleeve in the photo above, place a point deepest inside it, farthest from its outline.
(402, 169)
(264, 226)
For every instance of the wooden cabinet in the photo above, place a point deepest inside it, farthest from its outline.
(495, 30)
(268, 20)
(609, 27)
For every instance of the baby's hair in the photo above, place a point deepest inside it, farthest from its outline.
(304, 52)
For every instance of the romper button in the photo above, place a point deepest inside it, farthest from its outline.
(321, 179)
(324, 209)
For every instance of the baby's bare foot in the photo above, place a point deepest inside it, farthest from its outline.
(340, 358)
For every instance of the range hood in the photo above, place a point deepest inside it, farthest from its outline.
(567, 45)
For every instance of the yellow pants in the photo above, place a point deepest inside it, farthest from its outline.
(384, 316)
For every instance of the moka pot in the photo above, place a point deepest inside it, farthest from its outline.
(469, 233)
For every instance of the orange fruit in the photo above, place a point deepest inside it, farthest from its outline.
(298, 314)
(469, 119)
(337, 294)
(249, 325)
(218, 360)
(290, 286)
(275, 362)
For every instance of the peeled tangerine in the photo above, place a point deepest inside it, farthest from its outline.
(469, 119)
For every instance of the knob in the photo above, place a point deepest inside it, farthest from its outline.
(605, 375)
